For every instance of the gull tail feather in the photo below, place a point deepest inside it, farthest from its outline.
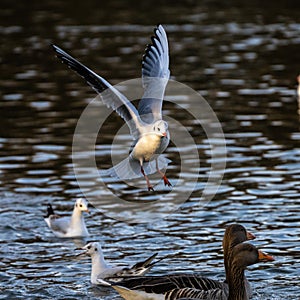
(50, 211)
(146, 263)
(130, 169)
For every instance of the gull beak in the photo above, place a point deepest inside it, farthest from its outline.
(86, 210)
(262, 256)
(250, 236)
(81, 253)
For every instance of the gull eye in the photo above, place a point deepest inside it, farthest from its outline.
(96, 249)
(88, 247)
(80, 205)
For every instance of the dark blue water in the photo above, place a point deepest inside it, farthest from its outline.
(242, 59)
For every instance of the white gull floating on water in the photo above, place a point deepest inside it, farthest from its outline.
(71, 226)
(102, 270)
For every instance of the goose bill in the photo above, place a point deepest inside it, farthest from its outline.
(250, 236)
(262, 256)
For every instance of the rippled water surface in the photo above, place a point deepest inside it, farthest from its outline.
(242, 59)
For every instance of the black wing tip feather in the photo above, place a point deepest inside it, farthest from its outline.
(90, 77)
(160, 28)
(50, 211)
(53, 46)
(58, 51)
(149, 46)
(153, 255)
(154, 40)
(150, 259)
(147, 262)
(157, 27)
(62, 55)
(98, 83)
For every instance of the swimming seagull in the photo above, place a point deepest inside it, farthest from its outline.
(65, 227)
(149, 130)
(102, 270)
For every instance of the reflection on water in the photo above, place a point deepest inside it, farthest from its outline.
(242, 60)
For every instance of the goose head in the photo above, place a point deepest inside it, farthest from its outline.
(236, 234)
(246, 254)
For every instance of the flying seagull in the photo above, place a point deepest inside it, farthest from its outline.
(148, 129)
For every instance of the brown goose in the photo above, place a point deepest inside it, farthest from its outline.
(243, 255)
(234, 235)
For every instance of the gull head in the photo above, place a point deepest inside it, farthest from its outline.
(92, 248)
(160, 128)
(82, 204)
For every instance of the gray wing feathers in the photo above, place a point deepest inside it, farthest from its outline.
(156, 58)
(59, 224)
(155, 74)
(110, 95)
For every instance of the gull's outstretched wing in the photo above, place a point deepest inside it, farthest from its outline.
(155, 73)
(109, 94)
